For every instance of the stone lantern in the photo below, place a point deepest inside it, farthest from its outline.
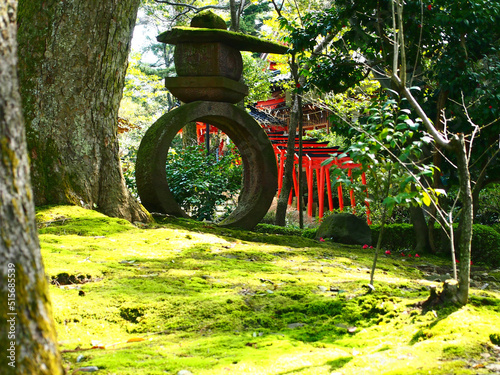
(208, 60)
(209, 66)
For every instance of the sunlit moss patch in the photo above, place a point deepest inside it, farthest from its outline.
(183, 295)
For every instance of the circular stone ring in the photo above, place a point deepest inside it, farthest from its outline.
(260, 174)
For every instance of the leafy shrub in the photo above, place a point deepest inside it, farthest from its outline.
(485, 245)
(309, 232)
(288, 231)
(202, 184)
(495, 338)
(276, 229)
(489, 205)
(485, 241)
(396, 236)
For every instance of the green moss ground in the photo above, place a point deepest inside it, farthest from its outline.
(186, 295)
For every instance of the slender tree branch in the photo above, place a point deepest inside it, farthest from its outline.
(439, 138)
(401, 40)
(395, 41)
(419, 45)
(192, 7)
(278, 9)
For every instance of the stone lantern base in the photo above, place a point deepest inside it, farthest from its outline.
(216, 89)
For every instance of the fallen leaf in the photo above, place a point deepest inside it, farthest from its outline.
(136, 339)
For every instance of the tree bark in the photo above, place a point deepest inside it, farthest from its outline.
(458, 145)
(189, 136)
(73, 58)
(437, 184)
(420, 228)
(27, 330)
(289, 164)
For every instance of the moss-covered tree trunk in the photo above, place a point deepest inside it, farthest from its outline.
(27, 331)
(72, 63)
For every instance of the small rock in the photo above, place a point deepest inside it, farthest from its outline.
(295, 325)
(485, 286)
(80, 358)
(88, 369)
(184, 372)
(322, 288)
(493, 367)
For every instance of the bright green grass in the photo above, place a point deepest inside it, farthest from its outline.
(219, 301)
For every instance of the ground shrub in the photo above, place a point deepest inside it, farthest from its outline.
(396, 236)
(485, 241)
(485, 245)
(495, 338)
(287, 231)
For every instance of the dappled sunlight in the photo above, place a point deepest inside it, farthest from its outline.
(188, 295)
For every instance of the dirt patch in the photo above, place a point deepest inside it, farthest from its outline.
(66, 279)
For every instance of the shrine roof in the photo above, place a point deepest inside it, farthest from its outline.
(238, 41)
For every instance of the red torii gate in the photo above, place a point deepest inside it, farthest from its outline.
(314, 154)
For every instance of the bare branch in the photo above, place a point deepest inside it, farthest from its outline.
(278, 9)
(438, 137)
(419, 45)
(192, 7)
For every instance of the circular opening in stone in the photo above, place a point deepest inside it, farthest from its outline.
(259, 175)
(204, 174)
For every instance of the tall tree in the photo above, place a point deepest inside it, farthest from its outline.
(73, 58)
(27, 331)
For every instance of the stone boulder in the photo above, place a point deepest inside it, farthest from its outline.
(345, 228)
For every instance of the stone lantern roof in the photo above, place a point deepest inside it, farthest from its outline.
(208, 60)
(239, 41)
(207, 27)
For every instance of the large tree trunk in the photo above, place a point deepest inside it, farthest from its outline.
(73, 57)
(417, 218)
(27, 331)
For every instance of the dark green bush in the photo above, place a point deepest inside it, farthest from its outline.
(202, 184)
(396, 236)
(276, 229)
(309, 233)
(485, 245)
(485, 241)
